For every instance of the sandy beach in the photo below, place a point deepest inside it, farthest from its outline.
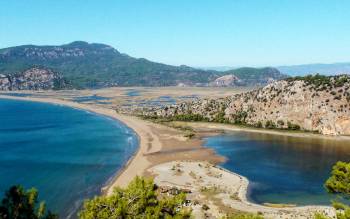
(158, 143)
(162, 147)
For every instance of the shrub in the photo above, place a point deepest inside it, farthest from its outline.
(189, 117)
(280, 122)
(205, 207)
(270, 124)
(138, 200)
(339, 183)
(292, 126)
(189, 135)
(259, 124)
(240, 117)
(220, 117)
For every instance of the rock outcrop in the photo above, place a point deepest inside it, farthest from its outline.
(32, 79)
(312, 103)
(225, 81)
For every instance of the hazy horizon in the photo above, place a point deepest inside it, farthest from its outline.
(206, 33)
(218, 68)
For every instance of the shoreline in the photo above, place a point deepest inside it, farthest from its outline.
(232, 127)
(136, 165)
(224, 189)
(153, 142)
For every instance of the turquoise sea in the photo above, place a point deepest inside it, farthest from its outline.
(67, 154)
(281, 169)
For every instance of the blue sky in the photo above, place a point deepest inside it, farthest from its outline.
(191, 32)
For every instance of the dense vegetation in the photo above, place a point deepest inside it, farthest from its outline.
(179, 117)
(99, 65)
(21, 204)
(237, 119)
(138, 200)
(339, 183)
(322, 82)
(141, 200)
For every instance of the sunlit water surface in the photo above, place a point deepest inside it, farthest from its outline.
(281, 169)
(67, 154)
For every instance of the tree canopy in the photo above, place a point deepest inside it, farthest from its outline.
(138, 200)
(21, 204)
(339, 183)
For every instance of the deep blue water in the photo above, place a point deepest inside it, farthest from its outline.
(281, 169)
(68, 154)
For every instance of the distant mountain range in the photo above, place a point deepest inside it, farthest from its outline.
(93, 65)
(302, 70)
(325, 69)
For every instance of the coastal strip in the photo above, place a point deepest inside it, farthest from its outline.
(206, 126)
(161, 147)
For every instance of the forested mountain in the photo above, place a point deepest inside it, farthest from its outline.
(92, 65)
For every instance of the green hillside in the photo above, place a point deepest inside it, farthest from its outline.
(92, 65)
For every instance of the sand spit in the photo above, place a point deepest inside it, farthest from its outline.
(222, 190)
(175, 160)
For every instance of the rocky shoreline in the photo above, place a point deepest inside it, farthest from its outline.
(313, 103)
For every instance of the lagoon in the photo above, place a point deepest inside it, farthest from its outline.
(281, 169)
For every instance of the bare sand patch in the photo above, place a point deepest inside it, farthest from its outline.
(222, 191)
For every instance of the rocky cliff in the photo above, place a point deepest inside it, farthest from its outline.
(32, 79)
(312, 103)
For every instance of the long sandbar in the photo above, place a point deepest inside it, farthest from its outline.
(161, 144)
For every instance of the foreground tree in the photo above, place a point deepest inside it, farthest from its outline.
(339, 183)
(21, 204)
(138, 200)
